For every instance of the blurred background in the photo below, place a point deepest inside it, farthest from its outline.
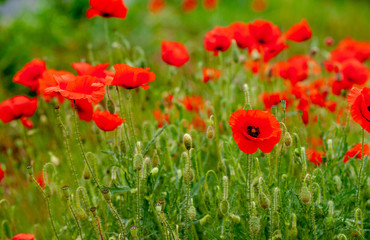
(59, 32)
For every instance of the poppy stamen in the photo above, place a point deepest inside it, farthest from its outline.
(253, 131)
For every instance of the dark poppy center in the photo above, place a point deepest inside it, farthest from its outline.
(368, 108)
(253, 131)
(106, 15)
(261, 41)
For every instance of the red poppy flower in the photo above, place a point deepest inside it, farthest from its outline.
(98, 70)
(84, 109)
(360, 49)
(273, 99)
(295, 70)
(331, 105)
(48, 80)
(299, 32)
(23, 236)
(161, 117)
(359, 101)
(241, 34)
(107, 121)
(259, 5)
(314, 156)
(253, 66)
(189, 5)
(79, 87)
(356, 151)
(218, 39)
(339, 85)
(210, 74)
(40, 179)
(107, 9)
(156, 6)
(132, 77)
(2, 173)
(209, 4)
(29, 75)
(18, 107)
(329, 41)
(193, 103)
(253, 129)
(174, 53)
(198, 123)
(354, 71)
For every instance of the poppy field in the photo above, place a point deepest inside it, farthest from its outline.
(184, 119)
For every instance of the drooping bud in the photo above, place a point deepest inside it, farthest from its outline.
(235, 218)
(192, 212)
(203, 221)
(92, 209)
(264, 201)
(162, 201)
(154, 171)
(188, 141)
(224, 206)
(210, 132)
(254, 225)
(293, 232)
(288, 141)
(81, 214)
(305, 195)
(86, 173)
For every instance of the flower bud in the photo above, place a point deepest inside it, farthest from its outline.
(106, 194)
(138, 161)
(305, 195)
(264, 201)
(92, 209)
(66, 192)
(255, 226)
(210, 132)
(192, 212)
(86, 173)
(188, 175)
(288, 141)
(188, 141)
(235, 218)
(158, 207)
(224, 207)
(203, 221)
(154, 171)
(81, 214)
(155, 159)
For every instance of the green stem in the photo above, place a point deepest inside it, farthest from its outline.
(138, 211)
(359, 177)
(75, 217)
(106, 31)
(131, 118)
(115, 213)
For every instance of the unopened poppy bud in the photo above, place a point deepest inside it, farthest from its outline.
(158, 207)
(305, 195)
(288, 141)
(47, 191)
(314, 51)
(188, 141)
(86, 173)
(188, 175)
(284, 177)
(29, 169)
(138, 161)
(192, 212)
(155, 159)
(133, 231)
(138, 147)
(162, 201)
(210, 132)
(111, 107)
(264, 201)
(106, 194)
(255, 55)
(81, 214)
(255, 225)
(203, 221)
(224, 207)
(154, 171)
(338, 182)
(56, 107)
(66, 192)
(235, 218)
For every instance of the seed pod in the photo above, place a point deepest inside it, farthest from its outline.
(66, 192)
(305, 195)
(133, 231)
(204, 220)
(264, 201)
(106, 194)
(138, 161)
(255, 225)
(288, 141)
(188, 141)
(192, 212)
(92, 209)
(210, 132)
(235, 218)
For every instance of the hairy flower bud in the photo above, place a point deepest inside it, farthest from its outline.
(288, 141)
(192, 212)
(154, 171)
(106, 194)
(188, 141)
(138, 161)
(203, 221)
(255, 225)
(305, 195)
(66, 192)
(86, 173)
(81, 214)
(210, 132)
(264, 201)
(235, 218)
(224, 207)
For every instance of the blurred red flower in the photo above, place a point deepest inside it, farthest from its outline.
(107, 9)
(210, 74)
(2, 173)
(29, 75)
(241, 34)
(354, 71)
(218, 39)
(193, 103)
(273, 99)
(40, 179)
(356, 151)
(18, 107)
(156, 6)
(23, 236)
(132, 77)
(98, 70)
(48, 80)
(258, 5)
(299, 32)
(359, 102)
(84, 109)
(189, 5)
(253, 129)
(314, 156)
(174, 53)
(329, 41)
(79, 87)
(295, 69)
(209, 4)
(107, 121)
(161, 117)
